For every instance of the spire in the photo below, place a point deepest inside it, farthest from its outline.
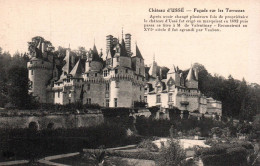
(196, 73)
(77, 70)
(153, 69)
(66, 67)
(138, 53)
(95, 49)
(191, 75)
(172, 70)
(122, 33)
(95, 56)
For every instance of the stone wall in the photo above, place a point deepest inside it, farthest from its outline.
(58, 121)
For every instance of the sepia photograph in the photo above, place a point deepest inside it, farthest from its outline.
(129, 83)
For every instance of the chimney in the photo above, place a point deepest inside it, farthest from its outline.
(115, 41)
(109, 39)
(128, 43)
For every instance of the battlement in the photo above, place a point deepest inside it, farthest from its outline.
(39, 64)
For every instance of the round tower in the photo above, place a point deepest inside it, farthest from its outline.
(40, 72)
(120, 93)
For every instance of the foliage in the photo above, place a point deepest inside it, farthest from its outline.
(239, 98)
(225, 154)
(153, 110)
(161, 128)
(148, 144)
(114, 112)
(95, 157)
(139, 104)
(30, 144)
(217, 131)
(13, 79)
(256, 122)
(136, 154)
(172, 154)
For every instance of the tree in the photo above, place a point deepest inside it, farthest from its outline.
(172, 154)
(18, 87)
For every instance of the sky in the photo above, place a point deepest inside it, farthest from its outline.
(83, 22)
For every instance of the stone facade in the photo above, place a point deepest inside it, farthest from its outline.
(176, 90)
(118, 80)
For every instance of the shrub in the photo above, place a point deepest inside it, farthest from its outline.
(136, 155)
(225, 154)
(149, 145)
(231, 157)
(172, 154)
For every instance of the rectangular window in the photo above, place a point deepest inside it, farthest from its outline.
(170, 88)
(158, 98)
(126, 70)
(145, 99)
(88, 100)
(117, 59)
(170, 106)
(170, 97)
(95, 74)
(117, 84)
(115, 102)
(105, 73)
(32, 72)
(107, 102)
(140, 98)
(88, 87)
(107, 95)
(116, 71)
(107, 86)
(58, 94)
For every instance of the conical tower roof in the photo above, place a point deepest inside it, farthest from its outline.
(77, 71)
(172, 70)
(191, 74)
(66, 68)
(138, 53)
(94, 53)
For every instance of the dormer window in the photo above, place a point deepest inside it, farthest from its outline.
(170, 88)
(159, 88)
(170, 97)
(105, 73)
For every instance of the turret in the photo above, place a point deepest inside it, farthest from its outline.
(191, 81)
(174, 74)
(39, 72)
(138, 62)
(121, 58)
(94, 62)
